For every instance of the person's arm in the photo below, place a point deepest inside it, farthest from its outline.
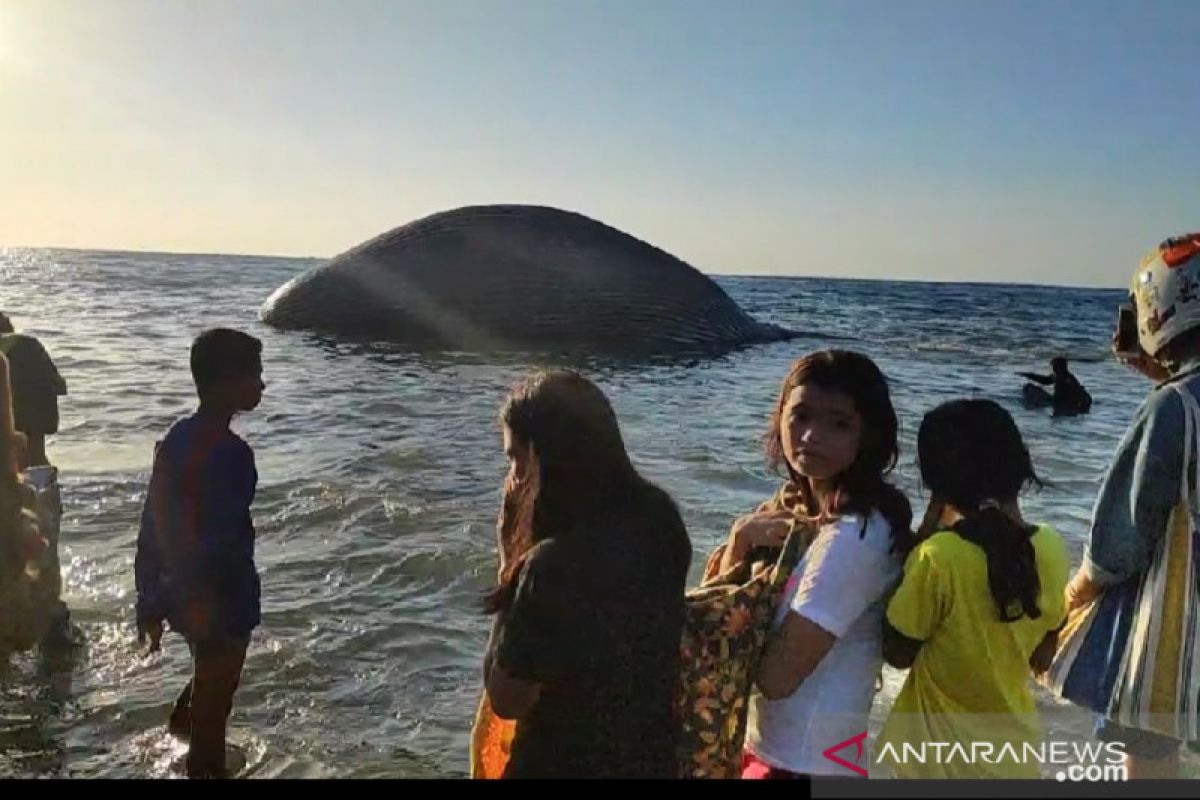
(792, 653)
(528, 647)
(58, 382)
(918, 607)
(899, 651)
(1054, 568)
(1045, 380)
(150, 611)
(1136, 499)
(768, 529)
(510, 697)
(843, 576)
(47, 381)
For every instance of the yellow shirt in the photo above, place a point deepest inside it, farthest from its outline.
(970, 681)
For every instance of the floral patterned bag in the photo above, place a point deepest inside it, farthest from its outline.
(726, 624)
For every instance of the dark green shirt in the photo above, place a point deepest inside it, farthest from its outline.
(36, 384)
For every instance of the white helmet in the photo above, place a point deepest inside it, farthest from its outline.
(1166, 291)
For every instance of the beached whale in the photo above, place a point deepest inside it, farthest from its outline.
(511, 277)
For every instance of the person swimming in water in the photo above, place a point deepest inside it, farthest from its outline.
(1069, 398)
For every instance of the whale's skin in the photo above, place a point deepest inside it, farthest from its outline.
(512, 277)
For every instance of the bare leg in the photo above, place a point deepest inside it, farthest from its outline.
(181, 716)
(217, 670)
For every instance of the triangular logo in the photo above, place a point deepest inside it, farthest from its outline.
(857, 741)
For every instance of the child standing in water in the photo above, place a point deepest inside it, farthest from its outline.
(978, 598)
(195, 550)
(834, 432)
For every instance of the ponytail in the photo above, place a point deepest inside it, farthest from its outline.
(1011, 561)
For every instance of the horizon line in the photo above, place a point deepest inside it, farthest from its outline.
(806, 276)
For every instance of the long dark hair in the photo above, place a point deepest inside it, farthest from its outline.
(972, 456)
(584, 478)
(862, 487)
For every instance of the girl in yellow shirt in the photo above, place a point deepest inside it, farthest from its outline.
(981, 595)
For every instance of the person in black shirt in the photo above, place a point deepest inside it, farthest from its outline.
(1069, 398)
(36, 387)
(585, 646)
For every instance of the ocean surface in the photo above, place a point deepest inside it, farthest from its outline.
(379, 486)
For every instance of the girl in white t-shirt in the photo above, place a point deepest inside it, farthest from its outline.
(834, 432)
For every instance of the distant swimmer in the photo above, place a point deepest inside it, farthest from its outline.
(1069, 398)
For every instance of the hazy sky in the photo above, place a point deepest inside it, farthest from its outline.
(1046, 141)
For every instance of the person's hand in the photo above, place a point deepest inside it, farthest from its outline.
(1081, 591)
(1141, 363)
(761, 529)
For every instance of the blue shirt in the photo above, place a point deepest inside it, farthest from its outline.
(196, 541)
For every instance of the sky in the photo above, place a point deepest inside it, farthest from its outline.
(987, 140)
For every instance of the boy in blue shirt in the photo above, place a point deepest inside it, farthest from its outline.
(195, 551)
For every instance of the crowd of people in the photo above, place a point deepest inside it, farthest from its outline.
(596, 637)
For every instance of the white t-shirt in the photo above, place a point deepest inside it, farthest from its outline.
(841, 584)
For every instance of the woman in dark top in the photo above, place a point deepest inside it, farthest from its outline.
(584, 650)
